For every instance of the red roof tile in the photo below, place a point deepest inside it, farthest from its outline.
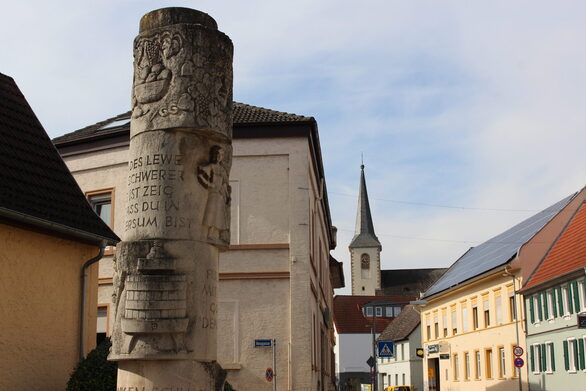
(567, 254)
(348, 316)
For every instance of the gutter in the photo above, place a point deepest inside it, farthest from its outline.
(56, 227)
(83, 318)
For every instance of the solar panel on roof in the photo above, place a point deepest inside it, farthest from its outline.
(114, 124)
(496, 251)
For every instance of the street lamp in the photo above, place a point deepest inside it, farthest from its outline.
(373, 305)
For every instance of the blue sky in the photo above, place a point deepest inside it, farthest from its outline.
(462, 104)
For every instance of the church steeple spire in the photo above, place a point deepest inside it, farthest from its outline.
(364, 235)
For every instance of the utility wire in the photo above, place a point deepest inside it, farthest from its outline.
(440, 240)
(435, 205)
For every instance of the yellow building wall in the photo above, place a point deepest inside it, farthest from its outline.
(504, 334)
(40, 291)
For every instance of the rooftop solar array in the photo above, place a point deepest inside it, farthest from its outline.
(496, 251)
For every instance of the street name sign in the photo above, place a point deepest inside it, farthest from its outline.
(263, 343)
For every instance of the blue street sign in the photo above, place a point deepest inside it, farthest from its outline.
(263, 343)
(386, 348)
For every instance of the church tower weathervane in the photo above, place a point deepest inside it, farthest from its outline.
(365, 247)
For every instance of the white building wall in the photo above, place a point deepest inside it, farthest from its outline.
(405, 363)
(354, 350)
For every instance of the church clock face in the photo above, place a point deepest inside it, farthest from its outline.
(365, 261)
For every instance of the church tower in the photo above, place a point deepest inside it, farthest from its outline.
(364, 248)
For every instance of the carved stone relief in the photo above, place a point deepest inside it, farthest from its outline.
(214, 177)
(182, 85)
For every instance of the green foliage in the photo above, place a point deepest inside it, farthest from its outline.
(228, 387)
(94, 372)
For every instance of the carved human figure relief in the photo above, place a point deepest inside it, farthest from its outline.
(214, 177)
(365, 265)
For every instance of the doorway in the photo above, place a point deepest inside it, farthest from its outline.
(433, 374)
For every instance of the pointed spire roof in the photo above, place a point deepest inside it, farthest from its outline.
(364, 235)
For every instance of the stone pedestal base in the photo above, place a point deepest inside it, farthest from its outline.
(179, 375)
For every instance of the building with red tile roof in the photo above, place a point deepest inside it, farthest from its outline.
(555, 306)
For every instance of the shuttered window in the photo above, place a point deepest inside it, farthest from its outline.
(531, 310)
(568, 302)
(554, 303)
(561, 311)
(576, 296)
(581, 362)
(566, 358)
(551, 357)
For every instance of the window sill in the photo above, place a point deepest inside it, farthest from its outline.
(572, 371)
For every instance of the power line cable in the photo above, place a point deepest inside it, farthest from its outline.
(475, 243)
(436, 205)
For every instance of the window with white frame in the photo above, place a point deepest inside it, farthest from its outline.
(379, 311)
(368, 311)
(445, 322)
(550, 357)
(402, 351)
(512, 309)
(536, 358)
(102, 204)
(466, 366)
(486, 312)
(550, 301)
(396, 310)
(456, 364)
(561, 301)
(389, 312)
(499, 310)
(545, 305)
(454, 321)
(571, 354)
(582, 290)
(464, 318)
(502, 363)
(478, 366)
(566, 300)
(537, 308)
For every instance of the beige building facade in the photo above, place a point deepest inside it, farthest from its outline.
(275, 279)
(50, 240)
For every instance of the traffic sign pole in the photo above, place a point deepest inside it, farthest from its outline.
(274, 366)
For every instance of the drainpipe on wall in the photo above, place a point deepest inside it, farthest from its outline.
(517, 318)
(83, 318)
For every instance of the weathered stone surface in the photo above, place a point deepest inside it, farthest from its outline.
(156, 376)
(177, 212)
(165, 314)
(182, 73)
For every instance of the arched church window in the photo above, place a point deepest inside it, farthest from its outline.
(365, 261)
(365, 265)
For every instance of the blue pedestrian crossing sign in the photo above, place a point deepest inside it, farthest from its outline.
(386, 348)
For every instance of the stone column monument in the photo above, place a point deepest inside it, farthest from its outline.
(178, 205)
